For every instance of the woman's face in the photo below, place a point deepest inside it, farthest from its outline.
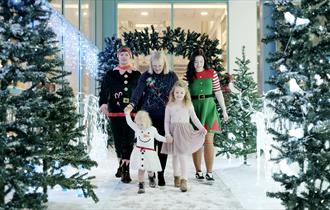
(199, 63)
(157, 66)
(179, 93)
(124, 58)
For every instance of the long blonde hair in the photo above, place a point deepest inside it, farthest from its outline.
(143, 116)
(186, 99)
(158, 55)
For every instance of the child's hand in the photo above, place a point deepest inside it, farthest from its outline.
(203, 131)
(169, 139)
(127, 110)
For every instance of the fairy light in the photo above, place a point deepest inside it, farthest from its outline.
(73, 42)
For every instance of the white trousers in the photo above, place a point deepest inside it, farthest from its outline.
(180, 167)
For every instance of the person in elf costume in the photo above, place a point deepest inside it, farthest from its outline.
(116, 89)
(204, 87)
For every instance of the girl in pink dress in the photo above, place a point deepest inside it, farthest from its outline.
(178, 113)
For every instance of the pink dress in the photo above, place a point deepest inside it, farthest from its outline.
(186, 140)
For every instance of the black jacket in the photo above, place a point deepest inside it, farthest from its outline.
(116, 89)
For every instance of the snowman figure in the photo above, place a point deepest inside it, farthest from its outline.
(144, 157)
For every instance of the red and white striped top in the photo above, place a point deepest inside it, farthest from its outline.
(206, 74)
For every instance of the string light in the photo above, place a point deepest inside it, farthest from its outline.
(79, 53)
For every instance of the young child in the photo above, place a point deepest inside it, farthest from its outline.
(144, 157)
(186, 140)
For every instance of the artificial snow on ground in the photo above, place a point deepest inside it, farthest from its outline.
(236, 186)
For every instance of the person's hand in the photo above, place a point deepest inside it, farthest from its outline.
(225, 116)
(169, 139)
(104, 109)
(203, 131)
(128, 108)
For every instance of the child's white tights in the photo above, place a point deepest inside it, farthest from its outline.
(180, 167)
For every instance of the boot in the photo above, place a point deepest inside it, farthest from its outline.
(141, 188)
(161, 180)
(119, 170)
(152, 182)
(183, 185)
(176, 181)
(125, 177)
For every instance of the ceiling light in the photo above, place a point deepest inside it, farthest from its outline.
(144, 13)
(204, 13)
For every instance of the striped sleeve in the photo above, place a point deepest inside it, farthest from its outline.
(216, 82)
(184, 78)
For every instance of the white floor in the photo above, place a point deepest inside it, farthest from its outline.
(243, 181)
(236, 187)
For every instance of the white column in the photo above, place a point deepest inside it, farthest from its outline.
(242, 20)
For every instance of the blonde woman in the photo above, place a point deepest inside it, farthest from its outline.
(153, 91)
(179, 112)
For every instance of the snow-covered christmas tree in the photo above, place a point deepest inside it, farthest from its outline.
(239, 134)
(301, 101)
(39, 138)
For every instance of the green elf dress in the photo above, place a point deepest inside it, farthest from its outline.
(201, 89)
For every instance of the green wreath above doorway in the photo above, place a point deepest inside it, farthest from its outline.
(173, 41)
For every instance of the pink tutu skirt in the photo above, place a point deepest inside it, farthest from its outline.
(186, 140)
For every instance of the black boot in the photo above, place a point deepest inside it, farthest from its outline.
(141, 188)
(161, 180)
(152, 182)
(119, 170)
(125, 177)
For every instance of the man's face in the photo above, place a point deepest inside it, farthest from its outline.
(124, 58)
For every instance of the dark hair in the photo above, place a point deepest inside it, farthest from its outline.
(191, 68)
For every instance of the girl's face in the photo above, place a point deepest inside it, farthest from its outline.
(157, 66)
(124, 58)
(179, 93)
(199, 63)
(142, 125)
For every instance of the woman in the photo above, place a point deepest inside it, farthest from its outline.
(153, 89)
(203, 85)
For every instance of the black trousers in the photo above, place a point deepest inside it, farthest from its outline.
(159, 125)
(123, 137)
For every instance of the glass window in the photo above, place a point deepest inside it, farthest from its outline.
(133, 17)
(87, 18)
(57, 4)
(202, 18)
(71, 12)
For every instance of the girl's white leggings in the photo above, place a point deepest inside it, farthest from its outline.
(180, 166)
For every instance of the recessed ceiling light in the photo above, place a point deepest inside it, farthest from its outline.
(204, 13)
(144, 13)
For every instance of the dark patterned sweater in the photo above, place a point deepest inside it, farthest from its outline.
(154, 90)
(116, 90)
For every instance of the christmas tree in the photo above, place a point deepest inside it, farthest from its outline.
(239, 134)
(301, 102)
(39, 139)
